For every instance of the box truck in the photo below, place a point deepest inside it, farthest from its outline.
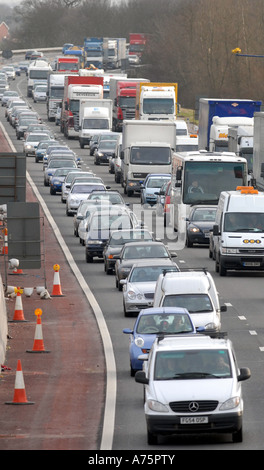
(147, 147)
(95, 118)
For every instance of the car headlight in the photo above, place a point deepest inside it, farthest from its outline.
(133, 295)
(211, 326)
(100, 154)
(157, 406)
(230, 404)
(139, 342)
(94, 242)
(194, 229)
(125, 270)
(28, 147)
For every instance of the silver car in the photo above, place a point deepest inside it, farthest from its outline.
(32, 142)
(133, 252)
(78, 193)
(66, 186)
(139, 287)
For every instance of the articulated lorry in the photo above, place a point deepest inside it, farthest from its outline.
(94, 48)
(123, 94)
(38, 71)
(147, 147)
(55, 93)
(66, 64)
(222, 108)
(114, 53)
(95, 118)
(156, 101)
(137, 43)
(77, 88)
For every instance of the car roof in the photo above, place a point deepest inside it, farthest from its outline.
(199, 341)
(116, 210)
(155, 262)
(163, 310)
(145, 243)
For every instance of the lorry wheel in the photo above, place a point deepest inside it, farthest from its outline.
(81, 145)
(130, 193)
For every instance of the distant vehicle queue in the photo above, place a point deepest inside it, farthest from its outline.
(195, 185)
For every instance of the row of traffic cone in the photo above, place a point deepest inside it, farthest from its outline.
(56, 292)
(20, 397)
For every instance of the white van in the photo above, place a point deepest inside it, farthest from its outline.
(192, 384)
(193, 290)
(238, 233)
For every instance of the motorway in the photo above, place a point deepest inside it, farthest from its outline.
(243, 293)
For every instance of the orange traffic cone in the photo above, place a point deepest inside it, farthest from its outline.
(5, 246)
(19, 313)
(38, 345)
(20, 397)
(17, 271)
(56, 291)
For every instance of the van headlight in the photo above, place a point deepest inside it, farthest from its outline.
(157, 406)
(230, 404)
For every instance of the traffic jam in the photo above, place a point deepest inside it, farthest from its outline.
(142, 198)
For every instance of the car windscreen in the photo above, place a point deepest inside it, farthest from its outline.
(192, 364)
(148, 251)
(120, 238)
(194, 303)
(172, 323)
(148, 273)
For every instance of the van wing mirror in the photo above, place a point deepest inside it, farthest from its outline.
(216, 230)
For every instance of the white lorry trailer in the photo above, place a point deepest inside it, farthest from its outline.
(258, 151)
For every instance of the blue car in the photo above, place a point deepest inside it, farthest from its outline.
(156, 321)
(151, 186)
(57, 179)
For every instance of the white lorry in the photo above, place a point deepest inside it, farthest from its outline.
(147, 147)
(238, 231)
(38, 71)
(218, 141)
(156, 101)
(54, 94)
(258, 150)
(240, 141)
(95, 118)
